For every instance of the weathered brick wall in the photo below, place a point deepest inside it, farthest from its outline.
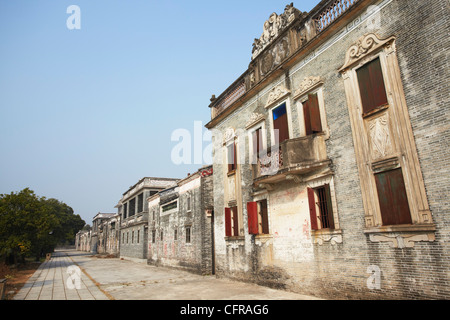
(132, 248)
(340, 270)
(193, 255)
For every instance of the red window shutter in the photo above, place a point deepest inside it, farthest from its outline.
(312, 209)
(234, 211)
(252, 215)
(257, 142)
(371, 86)
(392, 197)
(228, 222)
(264, 216)
(280, 123)
(314, 113)
(329, 206)
(306, 116)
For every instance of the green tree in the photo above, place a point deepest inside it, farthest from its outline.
(32, 225)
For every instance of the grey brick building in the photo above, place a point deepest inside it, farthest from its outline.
(100, 231)
(331, 156)
(133, 210)
(180, 221)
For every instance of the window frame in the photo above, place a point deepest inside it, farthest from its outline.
(288, 121)
(403, 151)
(302, 99)
(188, 234)
(253, 157)
(231, 167)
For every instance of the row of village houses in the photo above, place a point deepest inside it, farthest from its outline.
(330, 171)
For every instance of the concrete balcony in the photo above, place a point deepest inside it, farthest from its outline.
(292, 159)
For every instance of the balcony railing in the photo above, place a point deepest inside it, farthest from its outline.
(234, 93)
(332, 12)
(297, 156)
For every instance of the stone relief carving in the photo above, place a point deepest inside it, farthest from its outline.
(254, 119)
(229, 134)
(380, 137)
(398, 240)
(307, 84)
(332, 238)
(275, 56)
(272, 28)
(276, 94)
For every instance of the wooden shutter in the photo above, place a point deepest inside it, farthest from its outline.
(392, 197)
(306, 117)
(257, 141)
(371, 86)
(280, 123)
(314, 112)
(329, 206)
(231, 156)
(252, 216)
(234, 216)
(228, 222)
(264, 216)
(312, 208)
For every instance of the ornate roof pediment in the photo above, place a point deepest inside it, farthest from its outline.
(273, 27)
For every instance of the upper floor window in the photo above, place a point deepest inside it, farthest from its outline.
(132, 207)
(280, 123)
(125, 210)
(371, 86)
(231, 157)
(188, 202)
(140, 203)
(257, 142)
(311, 115)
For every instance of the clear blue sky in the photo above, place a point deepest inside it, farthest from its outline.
(86, 113)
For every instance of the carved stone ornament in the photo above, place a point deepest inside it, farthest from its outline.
(276, 94)
(380, 137)
(273, 27)
(332, 238)
(306, 85)
(398, 240)
(229, 134)
(364, 46)
(254, 119)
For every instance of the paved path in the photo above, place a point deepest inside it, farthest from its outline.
(116, 279)
(51, 282)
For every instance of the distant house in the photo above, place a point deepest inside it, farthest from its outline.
(180, 224)
(100, 232)
(83, 240)
(133, 213)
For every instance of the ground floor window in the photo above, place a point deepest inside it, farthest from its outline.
(188, 234)
(231, 222)
(320, 207)
(258, 221)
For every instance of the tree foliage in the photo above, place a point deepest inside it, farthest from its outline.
(32, 226)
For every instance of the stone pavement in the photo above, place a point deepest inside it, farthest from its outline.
(60, 279)
(116, 279)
